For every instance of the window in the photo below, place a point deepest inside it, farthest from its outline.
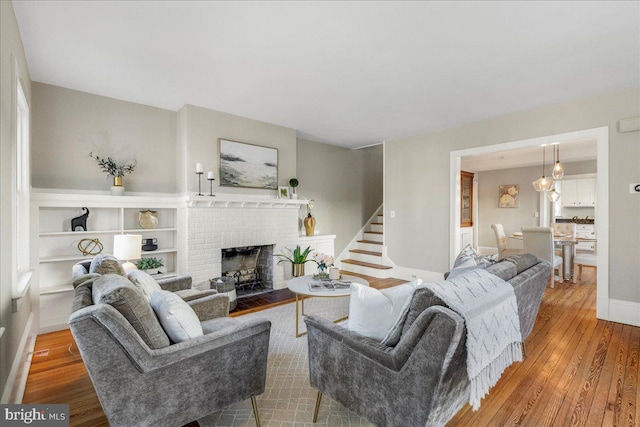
(21, 193)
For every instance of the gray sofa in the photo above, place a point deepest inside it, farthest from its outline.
(143, 379)
(421, 381)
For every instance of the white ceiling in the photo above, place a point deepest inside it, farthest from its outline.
(570, 151)
(345, 73)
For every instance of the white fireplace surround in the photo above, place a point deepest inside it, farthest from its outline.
(216, 223)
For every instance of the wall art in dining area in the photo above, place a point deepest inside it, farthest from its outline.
(508, 196)
(247, 165)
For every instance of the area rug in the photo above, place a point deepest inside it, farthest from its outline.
(289, 399)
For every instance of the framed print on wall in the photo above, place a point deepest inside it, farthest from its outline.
(247, 165)
(283, 192)
(508, 196)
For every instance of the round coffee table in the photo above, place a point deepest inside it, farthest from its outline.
(300, 287)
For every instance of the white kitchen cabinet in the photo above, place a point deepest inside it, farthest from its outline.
(578, 193)
(586, 231)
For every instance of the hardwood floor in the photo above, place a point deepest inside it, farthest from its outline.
(579, 371)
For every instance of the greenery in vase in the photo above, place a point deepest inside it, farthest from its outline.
(293, 183)
(112, 168)
(149, 263)
(298, 256)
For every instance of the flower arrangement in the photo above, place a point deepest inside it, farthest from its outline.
(324, 261)
(112, 168)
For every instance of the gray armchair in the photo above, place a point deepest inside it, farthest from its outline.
(143, 379)
(106, 263)
(422, 380)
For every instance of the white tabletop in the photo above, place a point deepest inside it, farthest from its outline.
(300, 286)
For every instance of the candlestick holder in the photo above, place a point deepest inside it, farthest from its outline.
(199, 179)
(211, 186)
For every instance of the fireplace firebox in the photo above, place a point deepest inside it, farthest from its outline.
(251, 268)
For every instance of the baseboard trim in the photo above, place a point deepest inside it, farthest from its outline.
(409, 274)
(53, 328)
(17, 379)
(624, 312)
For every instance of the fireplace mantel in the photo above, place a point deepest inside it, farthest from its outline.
(249, 202)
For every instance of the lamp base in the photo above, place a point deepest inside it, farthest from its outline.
(128, 266)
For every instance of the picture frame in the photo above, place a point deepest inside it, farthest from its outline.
(509, 196)
(283, 192)
(247, 165)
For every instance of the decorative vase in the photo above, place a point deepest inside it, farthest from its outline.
(322, 272)
(334, 273)
(117, 189)
(310, 225)
(148, 219)
(297, 270)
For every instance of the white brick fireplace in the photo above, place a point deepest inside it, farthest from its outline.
(213, 225)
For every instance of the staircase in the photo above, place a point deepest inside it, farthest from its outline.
(365, 255)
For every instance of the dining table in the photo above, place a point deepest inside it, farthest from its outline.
(568, 243)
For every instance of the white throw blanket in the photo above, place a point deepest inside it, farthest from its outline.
(490, 311)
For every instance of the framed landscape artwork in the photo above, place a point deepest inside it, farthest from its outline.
(247, 165)
(508, 196)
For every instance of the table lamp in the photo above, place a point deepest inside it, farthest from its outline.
(127, 247)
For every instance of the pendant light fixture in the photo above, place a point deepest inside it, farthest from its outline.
(553, 195)
(543, 183)
(558, 170)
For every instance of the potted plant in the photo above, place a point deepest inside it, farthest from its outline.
(293, 183)
(150, 263)
(297, 259)
(115, 170)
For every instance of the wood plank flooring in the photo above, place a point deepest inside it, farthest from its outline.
(579, 371)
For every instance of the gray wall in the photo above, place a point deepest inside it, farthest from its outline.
(15, 323)
(200, 129)
(68, 124)
(417, 182)
(345, 184)
(514, 218)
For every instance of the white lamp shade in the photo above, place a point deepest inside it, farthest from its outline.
(127, 246)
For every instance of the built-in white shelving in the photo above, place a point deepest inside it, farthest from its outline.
(55, 246)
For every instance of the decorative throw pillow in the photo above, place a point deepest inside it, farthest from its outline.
(394, 334)
(144, 282)
(120, 293)
(106, 264)
(177, 318)
(373, 313)
(466, 257)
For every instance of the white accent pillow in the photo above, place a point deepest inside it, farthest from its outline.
(177, 317)
(143, 282)
(373, 312)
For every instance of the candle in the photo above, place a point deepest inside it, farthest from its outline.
(199, 168)
(210, 175)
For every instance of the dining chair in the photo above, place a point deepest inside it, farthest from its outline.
(539, 242)
(583, 259)
(501, 239)
(568, 229)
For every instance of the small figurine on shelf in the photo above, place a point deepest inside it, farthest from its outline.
(80, 221)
